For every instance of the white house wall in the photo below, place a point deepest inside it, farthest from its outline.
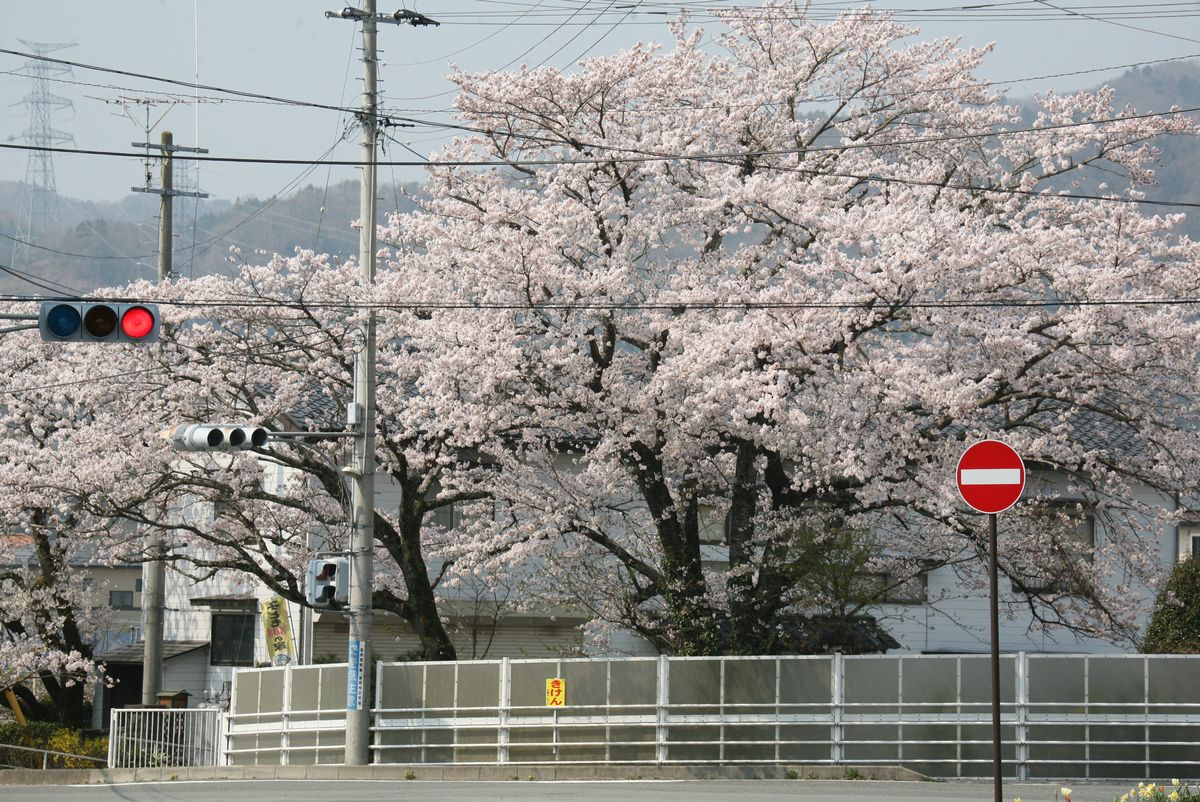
(956, 619)
(190, 672)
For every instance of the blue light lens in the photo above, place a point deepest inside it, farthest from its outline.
(63, 320)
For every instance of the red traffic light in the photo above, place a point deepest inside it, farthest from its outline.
(137, 322)
(98, 321)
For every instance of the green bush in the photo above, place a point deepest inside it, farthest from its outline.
(45, 735)
(1175, 623)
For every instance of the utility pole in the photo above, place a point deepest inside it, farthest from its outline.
(154, 597)
(361, 415)
(154, 587)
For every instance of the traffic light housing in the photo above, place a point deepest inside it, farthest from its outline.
(98, 321)
(328, 582)
(217, 436)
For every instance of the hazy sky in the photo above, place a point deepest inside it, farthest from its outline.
(288, 48)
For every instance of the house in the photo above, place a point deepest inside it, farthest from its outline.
(116, 589)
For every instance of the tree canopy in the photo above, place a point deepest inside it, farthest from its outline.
(711, 307)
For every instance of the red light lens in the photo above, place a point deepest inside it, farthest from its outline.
(137, 322)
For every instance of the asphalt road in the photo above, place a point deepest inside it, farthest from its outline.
(526, 791)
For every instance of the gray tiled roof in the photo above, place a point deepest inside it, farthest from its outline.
(135, 652)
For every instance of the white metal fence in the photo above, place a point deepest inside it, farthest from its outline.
(1112, 716)
(287, 716)
(145, 737)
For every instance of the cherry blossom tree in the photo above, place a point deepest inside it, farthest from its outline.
(48, 616)
(778, 276)
(714, 306)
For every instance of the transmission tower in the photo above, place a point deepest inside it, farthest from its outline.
(39, 198)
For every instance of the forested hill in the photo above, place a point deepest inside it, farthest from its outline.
(102, 244)
(1159, 89)
(106, 244)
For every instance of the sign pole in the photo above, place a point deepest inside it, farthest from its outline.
(997, 765)
(990, 478)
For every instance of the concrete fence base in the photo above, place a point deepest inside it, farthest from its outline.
(514, 772)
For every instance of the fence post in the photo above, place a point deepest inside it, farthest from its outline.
(837, 752)
(661, 731)
(285, 718)
(778, 731)
(1022, 716)
(373, 754)
(112, 737)
(231, 711)
(505, 701)
(1146, 710)
(219, 728)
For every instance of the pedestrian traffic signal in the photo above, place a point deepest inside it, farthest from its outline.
(328, 582)
(217, 436)
(98, 321)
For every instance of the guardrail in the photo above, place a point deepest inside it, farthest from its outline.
(46, 753)
(1078, 716)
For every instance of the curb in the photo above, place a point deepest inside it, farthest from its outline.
(457, 773)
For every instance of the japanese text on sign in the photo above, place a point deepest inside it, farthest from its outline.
(556, 692)
(278, 630)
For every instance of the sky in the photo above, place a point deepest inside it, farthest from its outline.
(289, 49)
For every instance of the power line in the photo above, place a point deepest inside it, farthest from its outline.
(186, 84)
(1095, 18)
(471, 46)
(248, 97)
(636, 306)
(726, 158)
(107, 379)
(37, 281)
(47, 248)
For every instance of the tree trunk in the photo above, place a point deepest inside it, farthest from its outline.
(421, 608)
(747, 627)
(692, 622)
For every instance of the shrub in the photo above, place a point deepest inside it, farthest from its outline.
(1175, 623)
(44, 735)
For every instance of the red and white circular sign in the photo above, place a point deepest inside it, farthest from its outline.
(990, 476)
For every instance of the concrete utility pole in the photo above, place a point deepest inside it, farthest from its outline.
(362, 522)
(154, 586)
(361, 414)
(154, 590)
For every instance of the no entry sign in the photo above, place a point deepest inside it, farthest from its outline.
(990, 476)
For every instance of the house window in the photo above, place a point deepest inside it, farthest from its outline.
(232, 642)
(713, 524)
(1189, 541)
(120, 599)
(137, 586)
(444, 517)
(1072, 534)
(897, 588)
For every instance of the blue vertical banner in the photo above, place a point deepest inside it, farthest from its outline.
(354, 675)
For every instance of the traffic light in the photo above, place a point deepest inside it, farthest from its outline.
(217, 436)
(328, 582)
(98, 321)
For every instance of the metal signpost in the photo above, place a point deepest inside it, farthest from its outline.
(990, 478)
